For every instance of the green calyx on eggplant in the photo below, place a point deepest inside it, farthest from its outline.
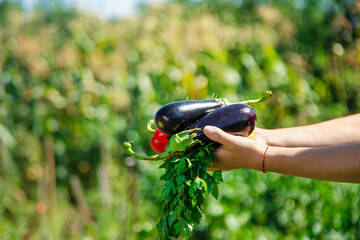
(177, 116)
(237, 119)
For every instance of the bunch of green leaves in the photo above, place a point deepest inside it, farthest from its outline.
(187, 180)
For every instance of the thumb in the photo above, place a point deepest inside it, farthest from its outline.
(218, 135)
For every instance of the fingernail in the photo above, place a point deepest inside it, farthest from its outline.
(209, 129)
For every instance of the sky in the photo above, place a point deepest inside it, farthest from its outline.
(105, 8)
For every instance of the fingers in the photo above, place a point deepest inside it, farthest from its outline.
(218, 135)
(235, 151)
(212, 168)
(220, 154)
(215, 166)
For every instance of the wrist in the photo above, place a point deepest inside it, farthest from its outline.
(263, 169)
(282, 160)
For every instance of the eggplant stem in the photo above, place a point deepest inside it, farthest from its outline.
(129, 151)
(149, 126)
(264, 98)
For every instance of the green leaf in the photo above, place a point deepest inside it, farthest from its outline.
(200, 197)
(193, 202)
(178, 197)
(182, 227)
(167, 176)
(179, 210)
(180, 180)
(209, 182)
(215, 191)
(162, 230)
(218, 177)
(178, 228)
(200, 154)
(182, 166)
(196, 214)
(180, 183)
(167, 188)
(186, 228)
(172, 218)
(192, 189)
(204, 184)
(165, 164)
(198, 182)
(164, 192)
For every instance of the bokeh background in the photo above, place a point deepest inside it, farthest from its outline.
(75, 85)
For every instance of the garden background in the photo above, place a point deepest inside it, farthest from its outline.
(74, 87)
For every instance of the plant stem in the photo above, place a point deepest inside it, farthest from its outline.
(129, 151)
(264, 98)
(149, 126)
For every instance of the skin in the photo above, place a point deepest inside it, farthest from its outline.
(328, 150)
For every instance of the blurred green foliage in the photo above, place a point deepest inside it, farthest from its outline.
(74, 87)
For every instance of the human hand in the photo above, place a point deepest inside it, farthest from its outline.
(235, 151)
(262, 136)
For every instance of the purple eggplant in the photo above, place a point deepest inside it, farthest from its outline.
(237, 119)
(175, 117)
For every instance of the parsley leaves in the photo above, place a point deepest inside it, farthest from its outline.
(186, 183)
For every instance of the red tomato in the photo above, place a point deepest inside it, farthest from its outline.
(159, 141)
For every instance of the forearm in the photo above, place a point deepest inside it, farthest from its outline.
(336, 163)
(344, 130)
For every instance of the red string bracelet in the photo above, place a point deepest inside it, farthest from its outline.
(263, 162)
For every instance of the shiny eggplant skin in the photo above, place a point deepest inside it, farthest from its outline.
(237, 119)
(178, 115)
